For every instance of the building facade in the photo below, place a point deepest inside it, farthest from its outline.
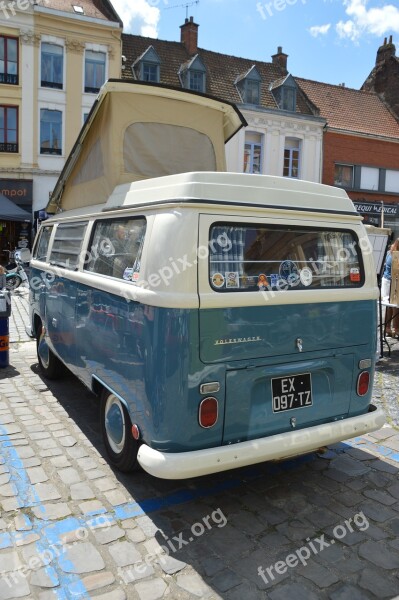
(54, 57)
(361, 149)
(285, 131)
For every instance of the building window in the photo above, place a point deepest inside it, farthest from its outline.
(288, 98)
(94, 71)
(52, 66)
(343, 176)
(147, 66)
(193, 75)
(150, 72)
(196, 81)
(292, 154)
(392, 181)
(369, 178)
(253, 153)
(284, 93)
(9, 60)
(8, 129)
(50, 131)
(248, 86)
(252, 92)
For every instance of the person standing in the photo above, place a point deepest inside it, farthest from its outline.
(391, 314)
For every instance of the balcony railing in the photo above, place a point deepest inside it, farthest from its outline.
(9, 79)
(5, 147)
(52, 84)
(56, 151)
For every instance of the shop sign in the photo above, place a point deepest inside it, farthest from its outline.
(374, 209)
(20, 191)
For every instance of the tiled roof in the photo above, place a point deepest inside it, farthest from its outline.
(222, 70)
(97, 9)
(351, 110)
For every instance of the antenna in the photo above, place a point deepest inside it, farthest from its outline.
(186, 6)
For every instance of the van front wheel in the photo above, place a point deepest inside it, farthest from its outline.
(117, 433)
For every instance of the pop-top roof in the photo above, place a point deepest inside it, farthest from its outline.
(140, 131)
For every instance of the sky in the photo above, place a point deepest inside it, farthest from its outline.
(334, 41)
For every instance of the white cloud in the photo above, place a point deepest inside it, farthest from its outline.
(139, 17)
(364, 20)
(317, 30)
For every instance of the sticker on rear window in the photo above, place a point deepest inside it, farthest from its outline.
(218, 280)
(355, 275)
(232, 279)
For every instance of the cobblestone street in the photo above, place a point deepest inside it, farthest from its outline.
(72, 528)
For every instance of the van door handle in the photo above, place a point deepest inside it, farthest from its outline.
(54, 322)
(299, 344)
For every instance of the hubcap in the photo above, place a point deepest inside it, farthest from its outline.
(115, 424)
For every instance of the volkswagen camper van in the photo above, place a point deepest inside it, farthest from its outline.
(222, 319)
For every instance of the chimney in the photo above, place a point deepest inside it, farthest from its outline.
(280, 59)
(189, 36)
(385, 51)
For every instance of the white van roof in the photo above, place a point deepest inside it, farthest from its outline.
(224, 189)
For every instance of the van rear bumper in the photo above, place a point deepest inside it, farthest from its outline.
(184, 465)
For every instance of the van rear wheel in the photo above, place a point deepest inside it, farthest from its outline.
(50, 366)
(116, 428)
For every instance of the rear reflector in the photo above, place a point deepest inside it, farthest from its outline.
(135, 432)
(208, 412)
(363, 383)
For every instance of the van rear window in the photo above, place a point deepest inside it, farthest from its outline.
(254, 258)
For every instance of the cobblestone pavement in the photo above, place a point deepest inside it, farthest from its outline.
(320, 527)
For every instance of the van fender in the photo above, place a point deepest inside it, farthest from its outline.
(95, 389)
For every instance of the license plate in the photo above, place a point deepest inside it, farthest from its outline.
(293, 392)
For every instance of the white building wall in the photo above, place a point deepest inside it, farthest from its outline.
(275, 128)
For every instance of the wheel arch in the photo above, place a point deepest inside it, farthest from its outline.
(98, 386)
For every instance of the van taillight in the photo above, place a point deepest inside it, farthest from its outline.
(208, 412)
(363, 383)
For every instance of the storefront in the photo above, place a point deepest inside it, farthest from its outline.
(15, 228)
(380, 214)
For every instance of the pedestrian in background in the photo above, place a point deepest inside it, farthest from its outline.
(391, 314)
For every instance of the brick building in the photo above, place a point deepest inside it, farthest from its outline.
(361, 148)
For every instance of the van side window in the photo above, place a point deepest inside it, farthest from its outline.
(41, 248)
(253, 258)
(67, 245)
(116, 248)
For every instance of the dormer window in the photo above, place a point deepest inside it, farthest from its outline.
(284, 93)
(148, 66)
(193, 75)
(248, 86)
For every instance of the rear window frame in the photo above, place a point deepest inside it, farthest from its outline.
(289, 227)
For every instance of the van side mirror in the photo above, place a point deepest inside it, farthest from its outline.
(23, 254)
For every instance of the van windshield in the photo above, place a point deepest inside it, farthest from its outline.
(262, 258)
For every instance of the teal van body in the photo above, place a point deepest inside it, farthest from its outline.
(223, 319)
